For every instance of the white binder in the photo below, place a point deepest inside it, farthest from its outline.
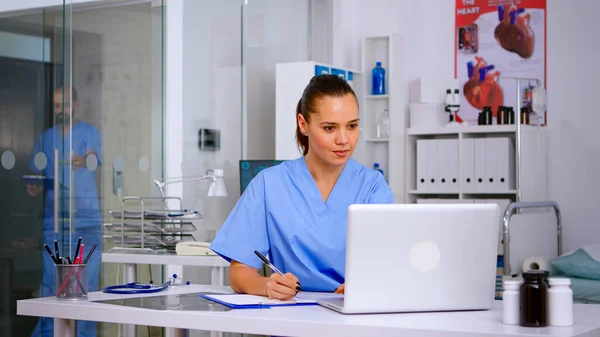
(505, 168)
(468, 165)
(480, 164)
(422, 182)
(491, 181)
(433, 175)
(451, 164)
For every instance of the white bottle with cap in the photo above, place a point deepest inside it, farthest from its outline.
(560, 302)
(511, 305)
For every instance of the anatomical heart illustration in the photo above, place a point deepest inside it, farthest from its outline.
(513, 32)
(482, 89)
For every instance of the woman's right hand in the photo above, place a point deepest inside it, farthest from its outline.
(282, 288)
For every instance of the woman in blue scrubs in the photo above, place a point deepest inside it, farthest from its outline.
(296, 212)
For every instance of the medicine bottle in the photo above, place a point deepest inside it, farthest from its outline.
(511, 302)
(534, 299)
(560, 302)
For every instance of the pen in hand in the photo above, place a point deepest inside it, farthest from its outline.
(264, 259)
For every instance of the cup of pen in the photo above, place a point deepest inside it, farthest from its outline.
(72, 281)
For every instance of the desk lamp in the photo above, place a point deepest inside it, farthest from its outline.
(217, 186)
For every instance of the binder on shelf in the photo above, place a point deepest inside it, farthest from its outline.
(422, 168)
(339, 73)
(319, 70)
(490, 181)
(468, 164)
(480, 164)
(448, 164)
(433, 175)
(506, 164)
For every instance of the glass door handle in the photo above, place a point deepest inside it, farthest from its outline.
(56, 190)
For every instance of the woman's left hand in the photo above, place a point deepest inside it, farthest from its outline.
(340, 289)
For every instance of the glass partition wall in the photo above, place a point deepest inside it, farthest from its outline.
(83, 112)
(81, 126)
(27, 72)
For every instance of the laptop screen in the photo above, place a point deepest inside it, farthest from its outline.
(250, 168)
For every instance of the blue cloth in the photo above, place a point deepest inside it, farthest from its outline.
(85, 217)
(84, 137)
(578, 264)
(282, 214)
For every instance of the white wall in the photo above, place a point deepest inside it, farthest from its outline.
(573, 49)
(274, 32)
(574, 144)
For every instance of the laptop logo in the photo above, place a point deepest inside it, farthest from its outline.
(425, 256)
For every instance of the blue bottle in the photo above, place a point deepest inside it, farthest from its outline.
(378, 80)
(376, 168)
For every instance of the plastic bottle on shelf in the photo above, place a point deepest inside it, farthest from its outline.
(511, 302)
(377, 168)
(560, 302)
(383, 127)
(378, 80)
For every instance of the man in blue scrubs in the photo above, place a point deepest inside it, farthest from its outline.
(80, 153)
(296, 212)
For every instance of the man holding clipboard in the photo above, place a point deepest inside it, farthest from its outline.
(79, 149)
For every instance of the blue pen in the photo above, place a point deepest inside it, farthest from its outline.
(264, 259)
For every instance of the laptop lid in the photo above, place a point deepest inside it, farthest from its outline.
(421, 257)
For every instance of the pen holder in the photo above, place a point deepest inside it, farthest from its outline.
(71, 281)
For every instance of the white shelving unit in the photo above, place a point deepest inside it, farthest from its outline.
(386, 151)
(530, 177)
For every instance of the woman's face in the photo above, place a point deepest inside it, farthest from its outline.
(333, 130)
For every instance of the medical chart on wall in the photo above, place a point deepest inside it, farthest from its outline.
(495, 42)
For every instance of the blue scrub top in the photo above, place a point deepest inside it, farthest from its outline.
(282, 214)
(85, 137)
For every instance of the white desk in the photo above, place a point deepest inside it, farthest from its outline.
(300, 321)
(217, 263)
(174, 265)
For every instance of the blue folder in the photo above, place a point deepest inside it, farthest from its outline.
(266, 304)
(39, 180)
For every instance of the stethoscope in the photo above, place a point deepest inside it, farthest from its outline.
(139, 288)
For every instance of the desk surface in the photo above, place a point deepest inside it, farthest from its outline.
(305, 321)
(166, 259)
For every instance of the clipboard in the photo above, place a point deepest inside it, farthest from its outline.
(40, 180)
(244, 301)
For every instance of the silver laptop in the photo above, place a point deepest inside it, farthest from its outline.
(419, 257)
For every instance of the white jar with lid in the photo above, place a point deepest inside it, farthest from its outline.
(560, 302)
(511, 305)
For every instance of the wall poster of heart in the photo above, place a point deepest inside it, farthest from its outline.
(495, 42)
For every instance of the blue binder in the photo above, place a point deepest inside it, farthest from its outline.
(260, 303)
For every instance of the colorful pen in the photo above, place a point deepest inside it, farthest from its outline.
(81, 253)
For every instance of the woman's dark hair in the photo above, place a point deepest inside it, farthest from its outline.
(320, 86)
